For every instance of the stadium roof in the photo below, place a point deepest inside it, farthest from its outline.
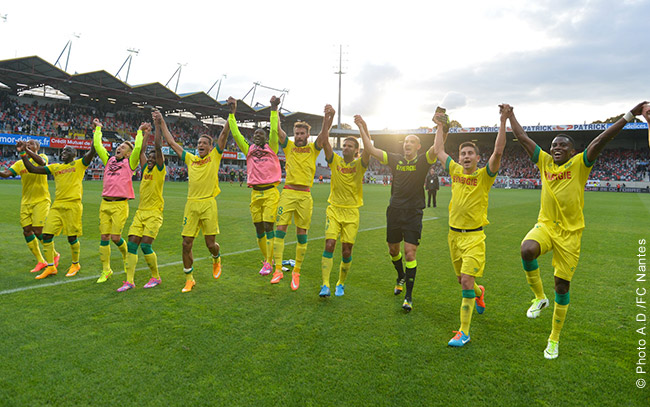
(21, 74)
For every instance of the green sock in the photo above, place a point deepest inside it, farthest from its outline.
(559, 315)
(534, 279)
(466, 308)
(105, 255)
(32, 244)
(278, 249)
(346, 263)
(269, 246)
(261, 242)
(326, 266)
(301, 249)
(122, 246)
(75, 249)
(131, 261)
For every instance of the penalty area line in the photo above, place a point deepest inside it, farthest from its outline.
(173, 263)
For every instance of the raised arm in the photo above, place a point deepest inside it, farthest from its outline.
(97, 142)
(273, 134)
(646, 115)
(325, 141)
(500, 143)
(438, 147)
(137, 148)
(157, 143)
(143, 152)
(282, 136)
(365, 136)
(168, 136)
(325, 129)
(34, 156)
(232, 124)
(88, 157)
(598, 144)
(526, 142)
(21, 147)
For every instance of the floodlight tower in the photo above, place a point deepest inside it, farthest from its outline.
(340, 73)
(131, 51)
(254, 88)
(68, 46)
(224, 76)
(178, 78)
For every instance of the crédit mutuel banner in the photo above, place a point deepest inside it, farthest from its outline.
(51, 142)
(58, 142)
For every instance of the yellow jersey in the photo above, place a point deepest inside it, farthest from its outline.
(300, 163)
(151, 188)
(563, 189)
(68, 180)
(34, 185)
(469, 196)
(203, 175)
(346, 189)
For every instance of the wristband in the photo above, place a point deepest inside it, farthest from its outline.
(23, 153)
(628, 117)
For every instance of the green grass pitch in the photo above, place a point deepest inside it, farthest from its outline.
(241, 341)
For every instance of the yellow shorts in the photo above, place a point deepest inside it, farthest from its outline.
(64, 217)
(467, 251)
(112, 216)
(264, 205)
(296, 204)
(565, 246)
(34, 214)
(200, 215)
(146, 223)
(343, 222)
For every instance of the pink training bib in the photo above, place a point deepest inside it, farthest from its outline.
(117, 179)
(263, 165)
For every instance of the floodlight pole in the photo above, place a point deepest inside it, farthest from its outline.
(219, 87)
(128, 70)
(254, 89)
(339, 73)
(128, 59)
(68, 45)
(177, 71)
(178, 78)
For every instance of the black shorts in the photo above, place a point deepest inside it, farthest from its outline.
(403, 224)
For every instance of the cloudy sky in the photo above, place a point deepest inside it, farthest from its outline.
(556, 61)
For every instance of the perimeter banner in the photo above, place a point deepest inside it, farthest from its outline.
(58, 142)
(11, 139)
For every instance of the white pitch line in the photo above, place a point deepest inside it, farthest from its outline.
(174, 263)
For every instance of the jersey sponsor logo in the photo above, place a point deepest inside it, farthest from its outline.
(148, 177)
(406, 167)
(465, 181)
(202, 161)
(558, 176)
(346, 170)
(305, 149)
(66, 171)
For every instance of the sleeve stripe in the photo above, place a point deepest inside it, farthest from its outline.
(490, 173)
(586, 160)
(535, 156)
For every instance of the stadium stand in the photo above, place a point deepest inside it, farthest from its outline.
(122, 108)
